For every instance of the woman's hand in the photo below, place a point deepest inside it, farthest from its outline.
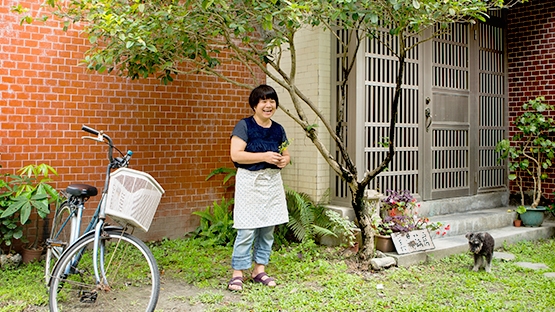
(274, 158)
(239, 155)
(277, 159)
(284, 161)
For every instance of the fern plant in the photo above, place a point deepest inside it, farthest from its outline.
(309, 220)
(216, 224)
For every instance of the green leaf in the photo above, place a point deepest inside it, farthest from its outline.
(25, 212)
(310, 127)
(15, 207)
(42, 208)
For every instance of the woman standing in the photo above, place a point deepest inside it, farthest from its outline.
(257, 151)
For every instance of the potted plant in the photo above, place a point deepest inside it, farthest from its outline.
(398, 214)
(25, 199)
(530, 152)
(10, 230)
(518, 221)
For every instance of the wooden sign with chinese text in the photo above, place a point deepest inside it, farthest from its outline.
(412, 241)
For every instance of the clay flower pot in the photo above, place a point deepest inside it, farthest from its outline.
(30, 255)
(384, 243)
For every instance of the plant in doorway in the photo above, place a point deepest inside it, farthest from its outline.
(531, 153)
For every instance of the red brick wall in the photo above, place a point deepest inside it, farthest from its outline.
(179, 133)
(531, 47)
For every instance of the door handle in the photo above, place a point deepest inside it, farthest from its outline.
(428, 114)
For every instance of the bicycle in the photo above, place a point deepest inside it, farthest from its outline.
(106, 268)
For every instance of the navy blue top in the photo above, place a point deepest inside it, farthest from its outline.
(259, 139)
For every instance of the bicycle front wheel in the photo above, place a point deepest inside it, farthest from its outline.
(60, 237)
(133, 280)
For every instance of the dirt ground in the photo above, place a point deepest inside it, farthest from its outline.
(176, 295)
(179, 296)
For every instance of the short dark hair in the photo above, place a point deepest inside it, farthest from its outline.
(262, 92)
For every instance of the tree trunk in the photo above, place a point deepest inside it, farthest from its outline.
(366, 206)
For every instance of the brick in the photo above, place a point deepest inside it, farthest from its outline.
(49, 95)
(530, 56)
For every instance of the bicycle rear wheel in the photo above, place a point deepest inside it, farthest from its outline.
(130, 269)
(60, 238)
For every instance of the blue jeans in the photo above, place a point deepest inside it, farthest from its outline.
(244, 252)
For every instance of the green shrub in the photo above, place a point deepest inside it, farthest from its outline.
(216, 224)
(309, 220)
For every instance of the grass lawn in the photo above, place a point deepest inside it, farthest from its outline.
(318, 278)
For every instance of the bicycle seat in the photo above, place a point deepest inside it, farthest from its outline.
(81, 190)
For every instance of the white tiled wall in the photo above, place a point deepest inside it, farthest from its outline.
(309, 173)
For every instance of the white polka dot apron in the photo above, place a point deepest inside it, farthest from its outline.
(259, 199)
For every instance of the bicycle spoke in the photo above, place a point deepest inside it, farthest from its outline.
(131, 272)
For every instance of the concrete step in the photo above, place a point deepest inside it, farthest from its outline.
(457, 244)
(463, 204)
(476, 220)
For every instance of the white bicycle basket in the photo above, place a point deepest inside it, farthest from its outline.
(133, 198)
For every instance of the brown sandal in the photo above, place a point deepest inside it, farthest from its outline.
(235, 281)
(266, 281)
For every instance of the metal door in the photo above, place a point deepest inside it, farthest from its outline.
(451, 115)
(447, 118)
(464, 110)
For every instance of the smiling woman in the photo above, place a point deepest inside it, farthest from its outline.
(259, 194)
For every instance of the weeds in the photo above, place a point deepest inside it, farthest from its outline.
(317, 278)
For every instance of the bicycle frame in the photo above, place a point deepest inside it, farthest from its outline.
(98, 220)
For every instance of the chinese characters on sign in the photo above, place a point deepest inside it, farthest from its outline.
(412, 241)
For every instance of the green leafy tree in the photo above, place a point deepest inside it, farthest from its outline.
(530, 152)
(168, 37)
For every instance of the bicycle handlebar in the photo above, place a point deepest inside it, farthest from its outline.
(115, 163)
(90, 130)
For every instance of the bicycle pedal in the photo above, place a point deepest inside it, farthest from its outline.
(88, 296)
(55, 243)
